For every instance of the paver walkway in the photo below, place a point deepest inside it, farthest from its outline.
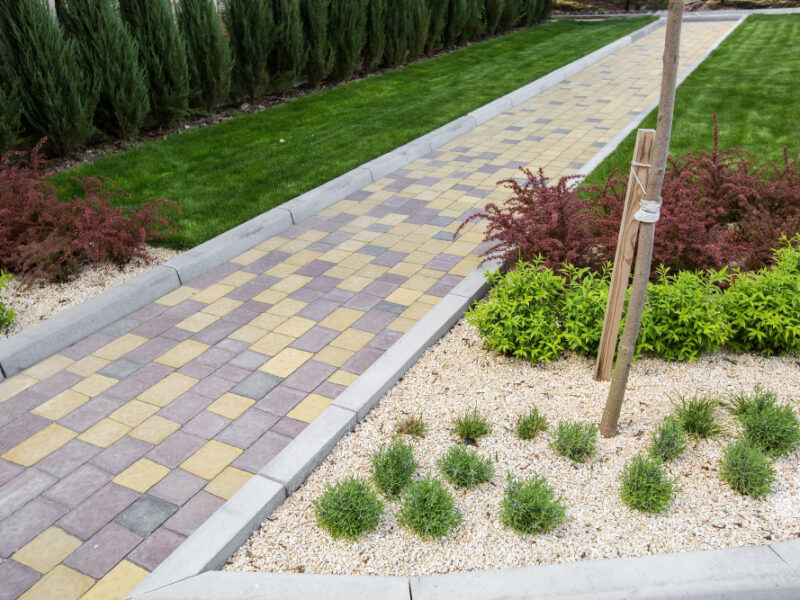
(114, 450)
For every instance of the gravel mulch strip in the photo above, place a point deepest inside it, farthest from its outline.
(456, 375)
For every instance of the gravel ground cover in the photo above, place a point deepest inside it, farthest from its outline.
(458, 374)
(41, 300)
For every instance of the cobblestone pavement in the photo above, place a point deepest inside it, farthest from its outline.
(117, 448)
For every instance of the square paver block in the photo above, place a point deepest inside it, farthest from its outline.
(103, 550)
(93, 514)
(120, 369)
(21, 489)
(119, 581)
(28, 522)
(211, 459)
(47, 549)
(141, 475)
(121, 454)
(145, 515)
(194, 513)
(247, 428)
(78, 485)
(230, 405)
(176, 449)
(227, 483)
(257, 385)
(16, 579)
(152, 552)
(62, 583)
(178, 487)
(261, 452)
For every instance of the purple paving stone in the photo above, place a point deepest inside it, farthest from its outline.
(534, 138)
(157, 326)
(151, 350)
(460, 187)
(489, 169)
(362, 301)
(315, 268)
(362, 360)
(247, 360)
(443, 262)
(148, 312)
(319, 309)
(330, 390)
(213, 276)
(232, 346)
(90, 413)
(385, 339)
(441, 221)
(381, 211)
(323, 283)
(321, 247)
(257, 385)
(152, 552)
(7, 471)
(196, 370)
(338, 295)
(389, 258)
(240, 316)
(175, 449)
(515, 164)
(177, 487)
(145, 515)
(231, 373)
(215, 357)
(358, 196)
(562, 131)
(255, 307)
(184, 407)
(464, 159)
(336, 238)
(18, 405)
(23, 488)
(16, 579)
(543, 121)
(379, 227)
(212, 387)
(86, 346)
(445, 236)
(28, 522)
(308, 376)
(289, 427)
(381, 289)
(478, 193)
(68, 458)
(216, 332)
(135, 384)
(305, 295)
(245, 292)
(280, 400)
(247, 428)
(21, 428)
(441, 288)
(261, 452)
(96, 512)
(121, 327)
(177, 334)
(374, 321)
(194, 513)
(121, 454)
(206, 425)
(459, 174)
(266, 262)
(55, 384)
(342, 218)
(78, 485)
(103, 550)
(315, 339)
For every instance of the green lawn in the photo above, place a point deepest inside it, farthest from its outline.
(751, 82)
(226, 174)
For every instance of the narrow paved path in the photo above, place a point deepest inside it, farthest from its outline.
(116, 449)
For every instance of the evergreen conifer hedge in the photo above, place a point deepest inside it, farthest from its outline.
(347, 24)
(288, 57)
(315, 30)
(251, 31)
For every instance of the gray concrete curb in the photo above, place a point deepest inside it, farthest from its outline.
(45, 339)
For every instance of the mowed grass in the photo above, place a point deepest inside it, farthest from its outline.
(223, 175)
(750, 82)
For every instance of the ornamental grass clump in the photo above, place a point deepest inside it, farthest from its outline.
(696, 414)
(393, 466)
(464, 468)
(646, 486)
(428, 509)
(746, 469)
(471, 426)
(574, 440)
(668, 440)
(413, 426)
(348, 509)
(529, 425)
(771, 427)
(531, 507)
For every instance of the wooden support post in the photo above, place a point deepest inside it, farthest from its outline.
(623, 259)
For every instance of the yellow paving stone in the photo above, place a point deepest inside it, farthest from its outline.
(94, 385)
(372, 271)
(197, 322)
(248, 257)
(141, 475)
(117, 583)
(227, 483)
(403, 296)
(248, 333)
(393, 219)
(222, 307)
(428, 299)
(406, 269)
(288, 307)
(355, 283)
(352, 339)
(291, 283)
(312, 235)
(155, 429)
(211, 459)
(39, 445)
(47, 549)
(334, 256)
(342, 378)
(231, 405)
(88, 365)
(60, 405)
(401, 324)
(272, 343)
(416, 311)
(18, 383)
(175, 297)
(270, 296)
(333, 356)
(213, 293)
(405, 246)
(281, 270)
(166, 390)
(303, 257)
(133, 413)
(430, 273)
(62, 583)
(286, 362)
(295, 327)
(47, 367)
(341, 318)
(464, 268)
(237, 278)
(420, 258)
(120, 346)
(182, 353)
(294, 246)
(339, 272)
(309, 408)
(356, 261)
(419, 282)
(356, 242)
(104, 433)
(272, 243)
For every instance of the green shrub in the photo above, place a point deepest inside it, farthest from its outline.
(348, 509)
(510, 17)
(746, 469)
(646, 486)
(252, 35)
(161, 51)
(6, 314)
(493, 13)
(574, 440)
(742, 403)
(464, 468)
(419, 19)
(315, 31)
(471, 426)
(531, 507)
(375, 45)
(347, 34)
(58, 100)
(668, 440)
(771, 427)
(208, 54)
(288, 57)
(413, 425)
(472, 26)
(544, 10)
(529, 425)
(396, 32)
(393, 466)
(438, 21)
(697, 416)
(10, 115)
(528, 11)
(584, 308)
(428, 509)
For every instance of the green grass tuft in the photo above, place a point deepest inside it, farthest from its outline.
(428, 509)
(529, 425)
(746, 469)
(348, 509)
(471, 426)
(531, 507)
(464, 468)
(771, 427)
(668, 440)
(574, 440)
(413, 426)
(646, 486)
(393, 465)
(696, 414)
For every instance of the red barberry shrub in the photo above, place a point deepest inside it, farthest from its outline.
(43, 236)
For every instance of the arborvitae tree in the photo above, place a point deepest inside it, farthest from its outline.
(315, 30)
(492, 14)
(438, 21)
(453, 33)
(510, 16)
(251, 31)
(10, 113)
(58, 100)
(419, 19)
(347, 24)
(396, 31)
(375, 47)
(110, 56)
(473, 21)
(208, 55)
(288, 57)
(163, 56)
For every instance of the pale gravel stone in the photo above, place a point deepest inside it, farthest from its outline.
(40, 301)
(457, 374)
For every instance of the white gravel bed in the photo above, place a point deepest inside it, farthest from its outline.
(457, 374)
(40, 301)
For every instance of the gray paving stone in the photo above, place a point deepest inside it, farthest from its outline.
(103, 550)
(121, 327)
(146, 514)
(390, 307)
(120, 369)
(257, 385)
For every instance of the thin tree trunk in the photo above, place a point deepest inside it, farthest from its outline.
(648, 214)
